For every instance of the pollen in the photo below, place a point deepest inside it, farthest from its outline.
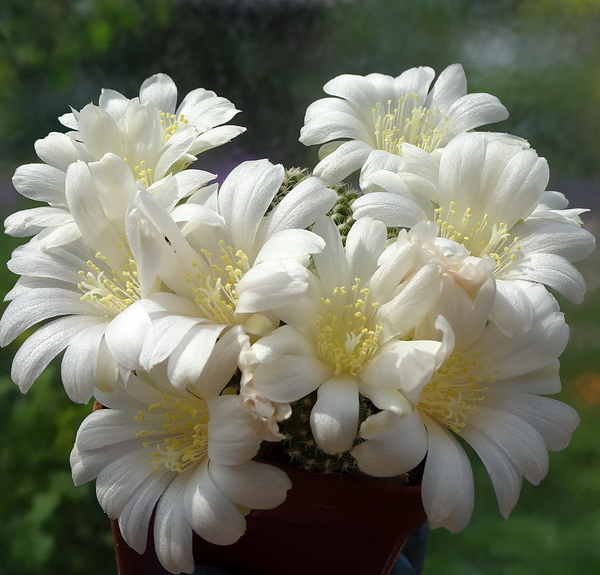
(481, 237)
(215, 292)
(143, 173)
(456, 390)
(408, 121)
(177, 433)
(347, 339)
(171, 123)
(112, 290)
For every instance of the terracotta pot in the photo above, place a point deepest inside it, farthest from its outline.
(351, 524)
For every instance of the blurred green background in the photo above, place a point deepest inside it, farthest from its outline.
(271, 58)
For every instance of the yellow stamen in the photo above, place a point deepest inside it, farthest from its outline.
(455, 391)
(346, 340)
(408, 121)
(180, 432)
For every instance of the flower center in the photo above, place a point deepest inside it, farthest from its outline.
(481, 238)
(215, 293)
(171, 123)
(344, 340)
(407, 121)
(179, 432)
(110, 289)
(455, 391)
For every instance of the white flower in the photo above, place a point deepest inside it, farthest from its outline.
(229, 267)
(201, 110)
(378, 112)
(488, 394)
(153, 138)
(487, 193)
(348, 335)
(88, 282)
(182, 457)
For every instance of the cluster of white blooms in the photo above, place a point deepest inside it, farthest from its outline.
(200, 315)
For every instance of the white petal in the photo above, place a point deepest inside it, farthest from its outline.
(121, 478)
(196, 213)
(334, 124)
(283, 340)
(447, 481)
(232, 438)
(59, 150)
(551, 270)
(29, 222)
(163, 336)
(59, 236)
(474, 110)
(222, 364)
(253, 485)
(523, 444)
(43, 346)
(364, 244)
(89, 214)
(555, 421)
(301, 207)
(210, 513)
(115, 185)
(269, 285)
(78, 368)
(189, 359)
(244, 198)
(86, 465)
(334, 417)
(125, 335)
(342, 162)
(100, 132)
(505, 477)
(161, 90)
(331, 263)
(172, 530)
(394, 444)
(387, 399)
(104, 428)
(168, 191)
(40, 182)
(215, 137)
(399, 316)
(111, 101)
(405, 365)
(135, 516)
(512, 311)
(450, 85)
(289, 377)
(174, 150)
(413, 81)
(290, 244)
(547, 236)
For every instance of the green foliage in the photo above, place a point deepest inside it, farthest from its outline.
(49, 525)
